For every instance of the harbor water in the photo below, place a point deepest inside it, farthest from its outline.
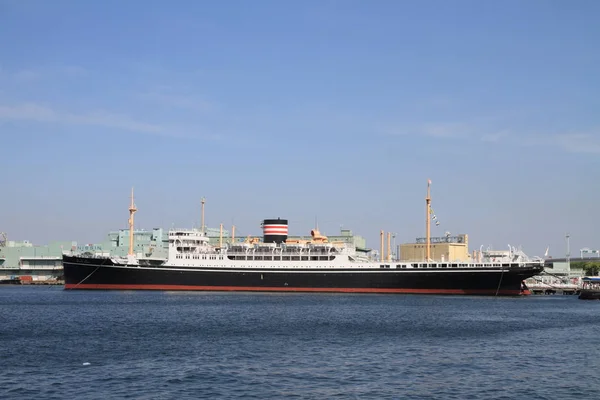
(58, 344)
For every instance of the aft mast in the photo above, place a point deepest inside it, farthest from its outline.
(428, 221)
(132, 210)
(202, 222)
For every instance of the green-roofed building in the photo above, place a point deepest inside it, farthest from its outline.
(23, 262)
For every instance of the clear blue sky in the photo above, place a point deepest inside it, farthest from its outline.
(339, 110)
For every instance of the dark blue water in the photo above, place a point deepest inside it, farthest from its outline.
(163, 345)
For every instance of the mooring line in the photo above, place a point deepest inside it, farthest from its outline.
(499, 283)
(84, 279)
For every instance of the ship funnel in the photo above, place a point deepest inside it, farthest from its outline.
(275, 230)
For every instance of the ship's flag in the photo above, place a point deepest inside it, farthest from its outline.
(434, 217)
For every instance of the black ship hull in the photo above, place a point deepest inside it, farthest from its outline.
(102, 273)
(589, 294)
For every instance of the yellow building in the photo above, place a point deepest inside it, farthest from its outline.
(446, 248)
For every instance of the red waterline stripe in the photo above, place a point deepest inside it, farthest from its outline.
(287, 289)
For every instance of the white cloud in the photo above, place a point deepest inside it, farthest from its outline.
(26, 75)
(434, 129)
(32, 112)
(38, 113)
(73, 70)
(43, 72)
(570, 142)
(446, 130)
(179, 101)
(494, 137)
(573, 142)
(577, 142)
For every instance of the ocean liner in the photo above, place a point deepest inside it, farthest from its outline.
(279, 264)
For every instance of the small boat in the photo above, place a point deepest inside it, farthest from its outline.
(590, 289)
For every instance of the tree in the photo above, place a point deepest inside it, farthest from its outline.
(591, 268)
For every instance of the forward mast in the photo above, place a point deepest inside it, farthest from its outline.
(132, 210)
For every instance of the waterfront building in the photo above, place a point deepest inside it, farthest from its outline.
(24, 262)
(445, 248)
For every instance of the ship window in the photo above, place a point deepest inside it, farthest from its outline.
(323, 258)
(382, 266)
(286, 258)
(304, 258)
(268, 258)
(506, 265)
(443, 265)
(295, 258)
(454, 265)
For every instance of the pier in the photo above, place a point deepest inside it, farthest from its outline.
(549, 284)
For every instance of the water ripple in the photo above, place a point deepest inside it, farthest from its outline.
(146, 345)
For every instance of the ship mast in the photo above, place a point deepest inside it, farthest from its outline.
(221, 236)
(132, 210)
(428, 221)
(202, 223)
(389, 247)
(381, 259)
